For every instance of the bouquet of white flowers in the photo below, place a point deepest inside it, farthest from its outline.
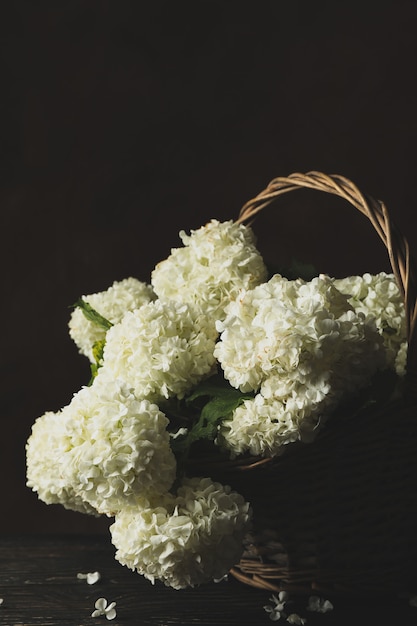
(213, 368)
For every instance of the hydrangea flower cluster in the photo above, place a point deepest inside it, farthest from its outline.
(44, 450)
(107, 447)
(279, 355)
(125, 295)
(379, 298)
(214, 264)
(183, 540)
(300, 346)
(160, 350)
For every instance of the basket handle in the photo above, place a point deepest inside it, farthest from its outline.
(397, 246)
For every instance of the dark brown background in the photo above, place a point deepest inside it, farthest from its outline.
(124, 122)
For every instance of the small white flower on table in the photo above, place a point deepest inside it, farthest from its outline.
(102, 608)
(276, 612)
(318, 605)
(294, 618)
(90, 577)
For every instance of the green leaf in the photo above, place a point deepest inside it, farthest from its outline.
(213, 387)
(222, 400)
(92, 315)
(222, 406)
(98, 348)
(215, 411)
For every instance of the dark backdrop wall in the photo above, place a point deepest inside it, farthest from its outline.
(124, 122)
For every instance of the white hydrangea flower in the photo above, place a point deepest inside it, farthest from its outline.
(277, 610)
(91, 577)
(102, 608)
(118, 447)
(291, 329)
(378, 296)
(319, 605)
(294, 618)
(401, 359)
(104, 450)
(183, 540)
(122, 296)
(301, 347)
(216, 262)
(45, 449)
(263, 426)
(161, 350)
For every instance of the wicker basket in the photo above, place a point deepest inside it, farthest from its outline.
(338, 515)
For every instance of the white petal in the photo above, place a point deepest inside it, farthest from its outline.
(327, 606)
(93, 577)
(219, 580)
(275, 616)
(101, 604)
(295, 619)
(179, 433)
(111, 614)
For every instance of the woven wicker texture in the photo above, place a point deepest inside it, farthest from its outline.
(339, 515)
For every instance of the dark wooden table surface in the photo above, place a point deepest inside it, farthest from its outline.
(39, 585)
